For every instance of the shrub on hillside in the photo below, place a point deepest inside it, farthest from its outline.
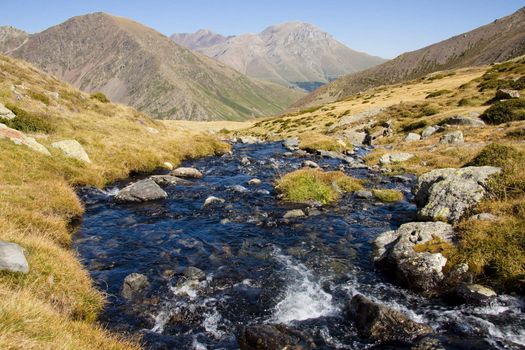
(39, 97)
(438, 93)
(505, 111)
(26, 121)
(99, 96)
(414, 126)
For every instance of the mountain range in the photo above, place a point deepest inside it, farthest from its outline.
(136, 65)
(291, 54)
(498, 41)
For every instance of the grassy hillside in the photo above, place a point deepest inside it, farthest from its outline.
(495, 252)
(498, 41)
(55, 305)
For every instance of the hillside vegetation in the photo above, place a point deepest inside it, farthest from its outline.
(55, 305)
(495, 252)
(498, 41)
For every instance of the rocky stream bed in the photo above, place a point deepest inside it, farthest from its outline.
(238, 271)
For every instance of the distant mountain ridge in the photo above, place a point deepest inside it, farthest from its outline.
(136, 65)
(291, 54)
(498, 41)
(11, 38)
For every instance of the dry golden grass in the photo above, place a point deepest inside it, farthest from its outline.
(314, 141)
(55, 305)
(388, 196)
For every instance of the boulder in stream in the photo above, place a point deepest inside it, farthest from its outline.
(141, 191)
(164, 180)
(383, 324)
(191, 173)
(273, 337)
(134, 284)
(449, 194)
(420, 271)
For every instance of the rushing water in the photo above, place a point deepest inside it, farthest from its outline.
(260, 268)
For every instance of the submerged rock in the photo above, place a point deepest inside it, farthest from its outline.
(245, 161)
(12, 258)
(254, 182)
(475, 294)
(294, 213)
(141, 191)
(211, 200)
(72, 149)
(310, 164)
(238, 189)
(187, 172)
(448, 194)
(420, 271)
(273, 337)
(164, 180)
(381, 323)
(133, 285)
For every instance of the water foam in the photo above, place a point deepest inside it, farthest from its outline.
(304, 297)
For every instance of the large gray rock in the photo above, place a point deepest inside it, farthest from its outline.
(355, 138)
(249, 140)
(452, 138)
(273, 337)
(291, 144)
(72, 149)
(468, 121)
(383, 324)
(419, 271)
(133, 285)
(412, 137)
(141, 191)
(187, 172)
(430, 130)
(6, 113)
(12, 258)
(449, 194)
(395, 158)
(19, 138)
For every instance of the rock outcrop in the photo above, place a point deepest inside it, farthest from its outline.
(449, 194)
(383, 324)
(452, 138)
(72, 149)
(419, 271)
(141, 191)
(12, 258)
(6, 113)
(19, 138)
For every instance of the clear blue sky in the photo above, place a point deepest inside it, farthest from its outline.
(381, 27)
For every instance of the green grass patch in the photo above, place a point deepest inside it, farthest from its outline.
(26, 121)
(99, 96)
(305, 185)
(504, 112)
(388, 196)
